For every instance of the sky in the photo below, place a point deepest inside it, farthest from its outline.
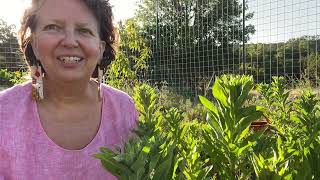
(11, 11)
(280, 20)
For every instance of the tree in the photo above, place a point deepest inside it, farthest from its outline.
(131, 56)
(190, 39)
(293, 58)
(10, 56)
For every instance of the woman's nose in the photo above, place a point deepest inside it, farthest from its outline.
(70, 40)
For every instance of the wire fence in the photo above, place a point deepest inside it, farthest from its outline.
(194, 40)
(10, 55)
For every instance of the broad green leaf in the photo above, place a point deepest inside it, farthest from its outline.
(153, 163)
(209, 105)
(219, 93)
(164, 168)
(243, 134)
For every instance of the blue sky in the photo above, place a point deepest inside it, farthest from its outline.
(280, 20)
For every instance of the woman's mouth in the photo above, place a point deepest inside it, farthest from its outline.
(70, 59)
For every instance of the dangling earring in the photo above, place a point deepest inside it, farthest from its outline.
(37, 83)
(100, 80)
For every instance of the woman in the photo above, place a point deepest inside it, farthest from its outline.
(51, 127)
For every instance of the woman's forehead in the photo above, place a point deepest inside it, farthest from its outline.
(66, 10)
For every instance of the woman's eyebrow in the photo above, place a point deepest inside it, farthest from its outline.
(82, 24)
(57, 21)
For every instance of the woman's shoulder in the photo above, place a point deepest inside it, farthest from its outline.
(121, 111)
(15, 93)
(115, 93)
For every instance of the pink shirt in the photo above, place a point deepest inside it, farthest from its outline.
(26, 152)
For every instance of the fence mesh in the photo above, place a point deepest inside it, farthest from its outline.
(193, 40)
(10, 55)
(204, 38)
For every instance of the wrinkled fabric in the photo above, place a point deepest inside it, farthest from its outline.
(26, 152)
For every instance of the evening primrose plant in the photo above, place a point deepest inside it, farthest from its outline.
(222, 145)
(228, 140)
(163, 147)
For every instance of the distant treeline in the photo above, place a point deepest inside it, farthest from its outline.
(295, 58)
(191, 68)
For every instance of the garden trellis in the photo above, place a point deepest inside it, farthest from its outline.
(193, 40)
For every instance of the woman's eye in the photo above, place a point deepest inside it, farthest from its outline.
(52, 27)
(85, 31)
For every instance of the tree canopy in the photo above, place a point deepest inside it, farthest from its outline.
(10, 56)
(190, 39)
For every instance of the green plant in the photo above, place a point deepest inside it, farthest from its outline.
(169, 146)
(168, 98)
(165, 147)
(131, 58)
(278, 105)
(228, 140)
(276, 165)
(13, 78)
(295, 154)
(133, 163)
(308, 140)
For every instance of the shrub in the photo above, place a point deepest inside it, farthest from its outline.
(223, 146)
(12, 78)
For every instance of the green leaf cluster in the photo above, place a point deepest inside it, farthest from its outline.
(131, 58)
(223, 145)
(13, 78)
(228, 140)
(163, 148)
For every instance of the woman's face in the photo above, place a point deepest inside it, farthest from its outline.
(66, 40)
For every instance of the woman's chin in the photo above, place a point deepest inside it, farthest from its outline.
(70, 78)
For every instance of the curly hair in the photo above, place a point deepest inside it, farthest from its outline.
(102, 11)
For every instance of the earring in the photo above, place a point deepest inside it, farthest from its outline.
(100, 80)
(37, 83)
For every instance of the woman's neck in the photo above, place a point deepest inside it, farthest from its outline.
(58, 92)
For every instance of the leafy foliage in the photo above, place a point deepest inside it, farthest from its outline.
(10, 56)
(223, 146)
(311, 66)
(164, 148)
(177, 30)
(131, 58)
(12, 78)
(228, 139)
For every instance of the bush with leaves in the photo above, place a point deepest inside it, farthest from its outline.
(131, 58)
(308, 140)
(228, 140)
(165, 146)
(168, 98)
(223, 146)
(13, 78)
(294, 154)
(279, 107)
(311, 65)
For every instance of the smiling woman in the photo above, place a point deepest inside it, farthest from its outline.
(64, 114)
(67, 44)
